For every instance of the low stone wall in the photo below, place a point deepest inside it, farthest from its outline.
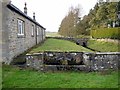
(35, 60)
(73, 61)
(102, 61)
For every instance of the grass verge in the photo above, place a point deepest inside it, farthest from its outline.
(13, 77)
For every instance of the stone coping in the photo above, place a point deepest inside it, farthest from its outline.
(68, 65)
(103, 53)
(74, 52)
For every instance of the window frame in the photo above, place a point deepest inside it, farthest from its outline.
(37, 31)
(20, 27)
(32, 31)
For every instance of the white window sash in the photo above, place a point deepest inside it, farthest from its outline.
(20, 27)
(32, 30)
(37, 31)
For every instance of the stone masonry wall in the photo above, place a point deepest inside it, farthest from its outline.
(74, 60)
(102, 61)
(18, 44)
(0, 31)
(5, 29)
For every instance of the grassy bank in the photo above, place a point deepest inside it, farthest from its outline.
(13, 77)
(59, 45)
(103, 46)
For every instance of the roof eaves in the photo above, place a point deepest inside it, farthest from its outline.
(14, 8)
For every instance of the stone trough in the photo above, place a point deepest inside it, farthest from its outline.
(79, 61)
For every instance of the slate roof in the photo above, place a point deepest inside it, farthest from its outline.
(17, 10)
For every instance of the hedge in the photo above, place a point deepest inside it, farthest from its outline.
(112, 33)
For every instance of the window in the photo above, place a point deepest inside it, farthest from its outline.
(37, 30)
(40, 31)
(20, 27)
(32, 30)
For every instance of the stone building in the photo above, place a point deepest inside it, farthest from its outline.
(18, 31)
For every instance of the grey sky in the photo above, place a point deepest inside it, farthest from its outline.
(49, 13)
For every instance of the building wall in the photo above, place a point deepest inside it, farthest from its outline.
(1, 31)
(18, 44)
(15, 45)
(5, 29)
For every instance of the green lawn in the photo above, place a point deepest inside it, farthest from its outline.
(103, 46)
(13, 77)
(59, 45)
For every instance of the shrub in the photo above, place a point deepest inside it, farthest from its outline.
(112, 33)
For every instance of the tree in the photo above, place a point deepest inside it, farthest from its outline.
(98, 17)
(69, 23)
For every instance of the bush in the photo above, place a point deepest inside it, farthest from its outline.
(112, 33)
